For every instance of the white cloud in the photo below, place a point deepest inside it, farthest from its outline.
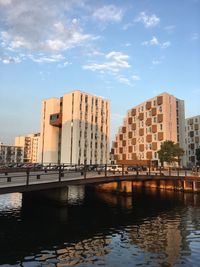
(156, 62)
(123, 80)
(115, 61)
(10, 60)
(64, 65)
(148, 21)
(108, 13)
(5, 2)
(166, 44)
(170, 28)
(45, 59)
(127, 26)
(155, 42)
(136, 77)
(34, 26)
(195, 36)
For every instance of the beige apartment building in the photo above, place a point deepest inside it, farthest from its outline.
(11, 154)
(146, 126)
(192, 139)
(75, 129)
(30, 143)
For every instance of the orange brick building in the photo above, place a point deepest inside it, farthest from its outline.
(146, 126)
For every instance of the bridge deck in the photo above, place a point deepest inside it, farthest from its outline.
(39, 180)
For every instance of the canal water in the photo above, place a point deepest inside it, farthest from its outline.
(148, 228)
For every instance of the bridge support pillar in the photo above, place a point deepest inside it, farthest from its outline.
(195, 186)
(56, 195)
(124, 187)
(59, 195)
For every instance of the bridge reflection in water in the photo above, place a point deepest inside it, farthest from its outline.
(148, 227)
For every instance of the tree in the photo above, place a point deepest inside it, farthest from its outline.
(170, 152)
(198, 155)
(178, 153)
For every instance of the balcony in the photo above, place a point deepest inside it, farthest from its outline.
(56, 119)
(148, 105)
(133, 112)
(159, 100)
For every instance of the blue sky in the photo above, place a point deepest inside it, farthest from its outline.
(124, 50)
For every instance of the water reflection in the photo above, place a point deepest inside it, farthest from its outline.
(76, 194)
(97, 228)
(10, 202)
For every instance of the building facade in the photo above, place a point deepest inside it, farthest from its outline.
(146, 126)
(192, 139)
(75, 129)
(11, 154)
(30, 143)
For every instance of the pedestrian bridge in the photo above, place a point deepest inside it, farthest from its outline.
(27, 181)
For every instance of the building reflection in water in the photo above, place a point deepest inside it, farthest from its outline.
(146, 227)
(10, 201)
(76, 194)
(164, 235)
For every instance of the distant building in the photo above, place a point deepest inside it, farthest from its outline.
(11, 154)
(75, 129)
(192, 139)
(30, 143)
(146, 126)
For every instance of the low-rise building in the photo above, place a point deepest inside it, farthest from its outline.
(11, 154)
(192, 139)
(30, 143)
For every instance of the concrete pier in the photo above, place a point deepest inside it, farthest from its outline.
(58, 195)
(126, 187)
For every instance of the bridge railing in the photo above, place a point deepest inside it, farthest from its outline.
(59, 173)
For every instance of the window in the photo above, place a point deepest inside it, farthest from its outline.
(161, 127)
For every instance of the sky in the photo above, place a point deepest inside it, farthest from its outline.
(123, 50)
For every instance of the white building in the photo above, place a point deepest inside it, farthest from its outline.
(75, 129)
(30, 143)
(192, 139)
(11, 154)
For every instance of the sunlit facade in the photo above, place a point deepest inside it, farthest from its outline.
(30, 143)
(75, 129)
(146, 126)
